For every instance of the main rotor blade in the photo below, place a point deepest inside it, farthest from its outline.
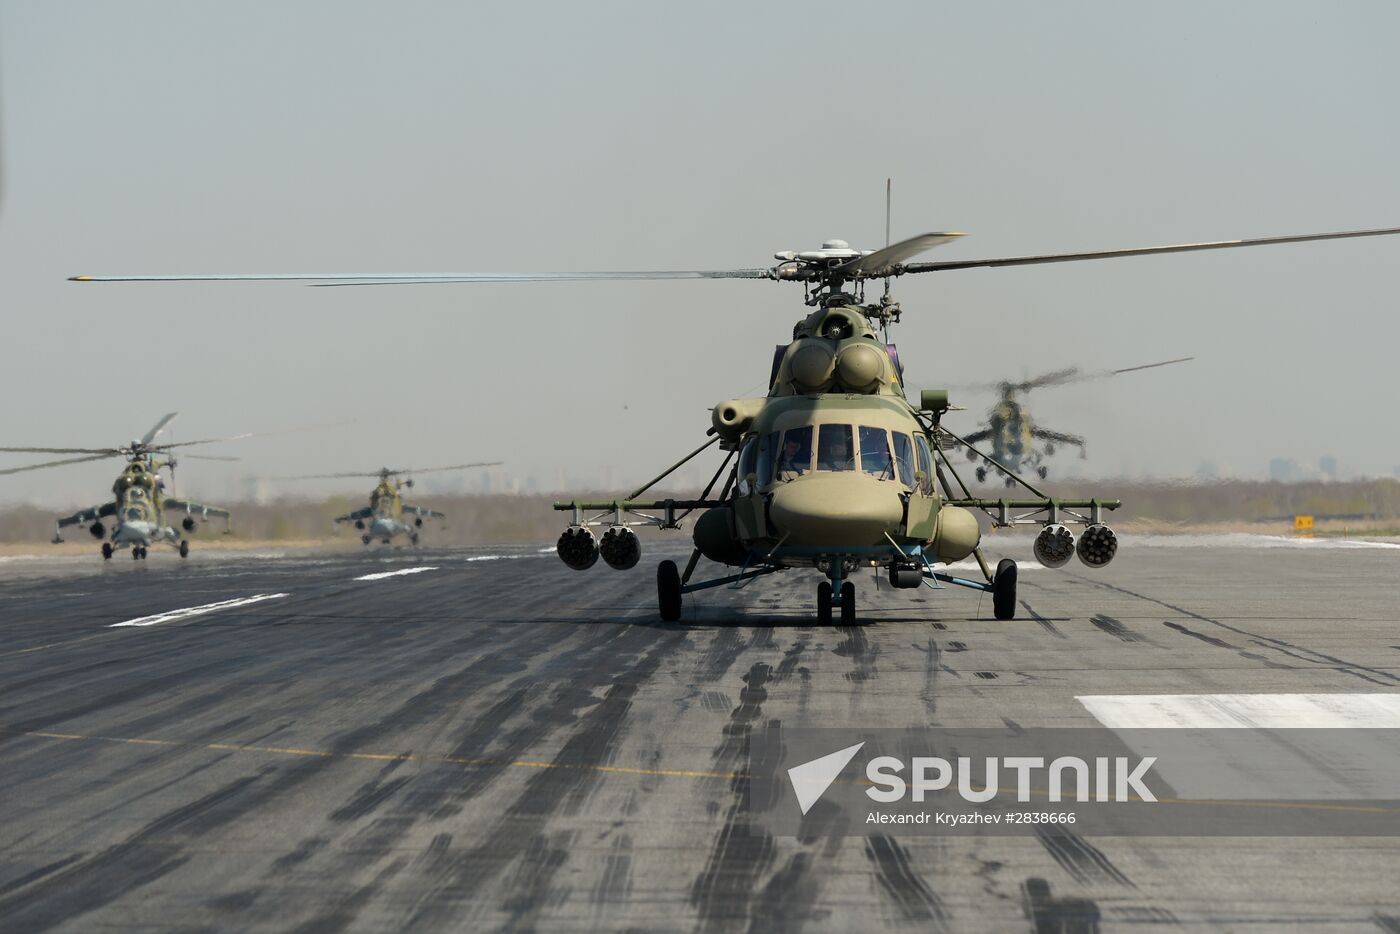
(1141, 251)
(1076, 375)
(156, 428)
(75, 460)
(207, 457)
(453, 467)
(1066, 375)
(330, 476)
(339, 279)
(105, 452)
(185, 444)
(872, 264)
(1148, 366)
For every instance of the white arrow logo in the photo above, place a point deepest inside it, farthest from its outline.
(810, 780)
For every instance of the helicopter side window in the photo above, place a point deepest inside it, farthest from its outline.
(875, 453)
(925, 463)
(834, 451)
(746, 459)
(767, 450)
(904, 457)
(795, 458)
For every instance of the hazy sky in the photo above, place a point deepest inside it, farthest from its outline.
(337, 136)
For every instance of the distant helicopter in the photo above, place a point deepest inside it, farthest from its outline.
(836, 468)
(387, 515)
(1013, 432)
(139, 504)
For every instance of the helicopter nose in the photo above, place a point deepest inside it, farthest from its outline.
(840, 509)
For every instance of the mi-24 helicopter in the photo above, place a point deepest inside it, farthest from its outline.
(1018, 441)
(836, 468)
(139, 506)
(387, 515)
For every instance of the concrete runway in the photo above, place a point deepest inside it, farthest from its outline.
(502, 743)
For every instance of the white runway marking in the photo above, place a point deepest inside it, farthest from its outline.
(383, 574)
(173, 615)
(1245, 711)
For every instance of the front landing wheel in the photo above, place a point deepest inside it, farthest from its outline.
(848, 604)
(1004, 590)
(184, 548)
(106, 551)
(668, 590)
(824, 603)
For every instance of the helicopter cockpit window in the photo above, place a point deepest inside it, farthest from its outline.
(925, 463)
(875, 453)
(137, 493)
(834, 451)
(133, 514)
(767, 452)
(795, 458)
(904, 457)
(746, 464)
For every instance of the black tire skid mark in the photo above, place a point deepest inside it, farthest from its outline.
(862, 654)
(1116, 628)
(1084, 862)
(614, 885)
(909, 892)
(521, 837)
(1051, 915)
(1044, 623)
(1338, 663)
(126, 867)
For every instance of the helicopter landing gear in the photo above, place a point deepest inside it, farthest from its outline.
(824, 603)
(413, 539)
(184, 547)
(668, 590)
(364, 539)
(1004, 590)
(106, 551)
(848, 604)
(138, 552)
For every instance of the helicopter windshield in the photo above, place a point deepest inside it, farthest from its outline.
(904, 457)
(834, 450)
(795, 458)
(875, 453)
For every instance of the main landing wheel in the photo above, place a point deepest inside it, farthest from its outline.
(106, 551)
(824, 603)
(848, 604)
(184, 548)
(1004, 590)
(668, 590)
(365, 539)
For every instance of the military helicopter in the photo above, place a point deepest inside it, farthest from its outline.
(1013, 432)
(139, 504)
(387, 514)
(836, 468)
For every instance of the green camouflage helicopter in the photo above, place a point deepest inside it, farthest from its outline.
(387, 515)
(139, 504)
(837, 468)
(1014, 434)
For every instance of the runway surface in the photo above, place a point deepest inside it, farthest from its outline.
(488, 740)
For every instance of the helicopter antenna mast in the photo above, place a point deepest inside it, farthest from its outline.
(885, 301)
